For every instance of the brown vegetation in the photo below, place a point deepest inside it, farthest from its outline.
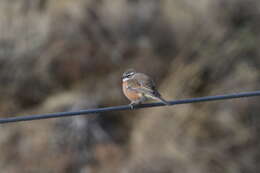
(66, 55)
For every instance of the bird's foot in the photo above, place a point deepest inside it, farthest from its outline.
(133, 104)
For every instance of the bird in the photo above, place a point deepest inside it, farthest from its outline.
(139, 87)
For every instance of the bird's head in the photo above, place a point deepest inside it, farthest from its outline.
(128, 74)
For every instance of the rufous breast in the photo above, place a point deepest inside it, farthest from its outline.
(130, 94)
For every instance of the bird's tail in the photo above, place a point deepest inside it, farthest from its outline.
(162, 100)
(157, 96)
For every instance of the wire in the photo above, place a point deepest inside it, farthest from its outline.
(128, 107)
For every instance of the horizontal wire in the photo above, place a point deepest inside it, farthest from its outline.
(128, 107)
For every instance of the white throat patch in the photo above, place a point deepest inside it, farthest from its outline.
(126, 79)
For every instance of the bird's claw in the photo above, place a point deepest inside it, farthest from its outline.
(131, 105)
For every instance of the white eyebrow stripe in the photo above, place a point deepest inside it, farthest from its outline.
(126, 79)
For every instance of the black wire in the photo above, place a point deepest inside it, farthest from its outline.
(127, 107)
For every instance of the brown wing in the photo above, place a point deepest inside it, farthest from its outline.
(144, 84)
(145, 81)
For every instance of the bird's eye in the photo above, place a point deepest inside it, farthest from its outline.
(129, 75)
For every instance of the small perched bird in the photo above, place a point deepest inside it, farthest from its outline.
(138, 87)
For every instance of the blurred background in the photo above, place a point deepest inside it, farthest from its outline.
(67, 55)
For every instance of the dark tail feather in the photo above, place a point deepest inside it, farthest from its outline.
(157, 96)
(162, 100)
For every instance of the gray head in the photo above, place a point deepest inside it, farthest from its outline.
(128, 74)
